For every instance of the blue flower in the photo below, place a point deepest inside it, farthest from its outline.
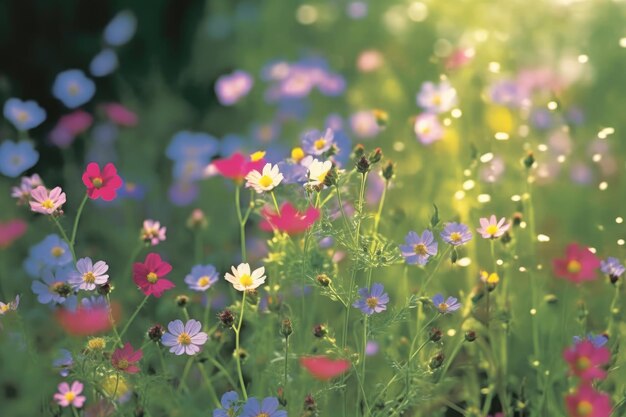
(447, 306)
(24, 115)
(104, 63)
(293, 173)
(17, 157)
(374, 301)
(183, 193)
(316, 143)
(64, 362)
(418, 249)
(202, 277)
(267, 408)
(52, 252)
(187, 145)
(229, 405)
(456, 234)
(121, 28)
(73, 88)
(597, 341)
(612, 267)
(131, 190)
(54, 288)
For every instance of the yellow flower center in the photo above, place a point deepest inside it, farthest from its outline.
(184, 339)
(73, 89)
(257, 156)
(152, 277)
(443, 307)
(22, 116)
(97, 182)
(492, 229)
(573, 266)
(266, 181)
(455, 237)
(583, 363)
(89, 278)
(4, 308)
(262, 415)
(245, 280)
(69, 396)
(97, 343)
(297, 154)
(584, 408)
(371, 302)
(122, 364)
(320, 143)
(203, 281)
(322, 177)
(57, 251)
(437, 100)
(47, 204)
(420, 249)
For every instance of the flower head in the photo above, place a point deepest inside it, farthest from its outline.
(318, 171)
(437, 98)
(266, 180)
(578, 265)
(266, 408)
(73, 88)
(70, 395)
(152, 232)
(596, 340)
(185, 338)
(17, 157)
(11, 231)
(456, 234)
(374, 301)
(10, 306)
(231, 88)
(229, 405)
(418, 249)
(428, 128)
(612, 267)
(88, 275)
(70, 126)
(104, 63)
(149, 275)
(27, 185)
(289, 220)
(448, 306)
(237, 166)
(120, 29)
(124, 359)
(244, 280)
(64, 362)
(120, 115)
(587, 402)
(46, 202)
(101, 183)
(202, 277)
(24, 115)
(55, 288)
(492, 228)
(324, 368)
(51, 252)
(316, 143)
(585, 360)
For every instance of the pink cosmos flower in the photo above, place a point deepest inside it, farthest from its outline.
(585, 360)
(70, 126)
(369, 60)
(27, 185)
(46, 202)
(289, 220)
(230, 88)
(149, 275)
(124, 359)
(101, 184)
(587, 402)
(427, 128)
(70, 395)
(492, 228)
(153, 232)
(237, 166)
(120, 115)
(459, 58)
(579, 264)
(11, 231)
(323, 368)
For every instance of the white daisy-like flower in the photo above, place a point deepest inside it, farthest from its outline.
(266, 180)
(318, 171)
(243, 280)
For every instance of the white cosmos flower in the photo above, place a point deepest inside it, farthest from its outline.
(243, 280)
(318, 171)
(266, 180)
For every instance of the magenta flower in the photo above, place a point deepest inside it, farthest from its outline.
(149, 275)
(587, 402)
(70, 395)
(152, 232)
(46, 202)
(579, 264)
(492, 228)
(289, 220)
(585, 360)
(231, 88)
(120, 115)
(125, 359)
(237, 166)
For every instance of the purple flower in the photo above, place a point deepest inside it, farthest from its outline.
(597, 341)
(64, 362)
(267, 408)
(88, 274)
(185, 338)
(316, 143)
(456, 234)
(612, 267)
(202, 277)
(229, 405)
(231, 88)
(373, 301)
(437, 98)
(428, 128)
(418, 249)
(447, 306)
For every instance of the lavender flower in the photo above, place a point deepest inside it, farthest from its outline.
(456, 234)
(185, 338)
(373, 301)
(229, 405)
(448, 306)
(88, 274)
(418, 249)
(316, 143)
(202, 277)
(612, 267)
(267, 408)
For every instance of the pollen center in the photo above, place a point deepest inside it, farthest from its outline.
(266, 181)
(245, 280)
(57, 251)
(89, 278)
(574, 266)
(297, 154)
(257, 156)
(263, 415)
(371, 302)
(492, 229)
(69, 396)
(455, 237)
(22, 116)
(4, 308)
(320, 143)
(443, 307)
(204, 281)
(97, 182)
(152, 277)
(420, 249)
(184, 339)
(122, 364)
(47, 204)
(322, 177)
(73, 89)
(583, 363)
(585, 408)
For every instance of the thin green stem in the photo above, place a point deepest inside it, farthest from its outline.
(112, 320)
(275, 202)
(198, 246)
(128, 323)
(185, 373)
(343, 213)
(77, 218)
(64, 235)
(237, 352)
(209, 385)
(242, 223)
(286, 363)
(381, 203)
(75, 412)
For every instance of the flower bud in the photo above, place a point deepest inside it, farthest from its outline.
(375, 156)
(182, 300)
(331, 177)
(436, 361)
(96, 344)
(389, 171)
(227, 318)
(382, 117)
(358, 151)
(323, 280)
(435, 334)
(104, 289)
(470, 335)
(309, 403)
(320, 331)
(197, 220)
(529, 161)
(156, 332)
(363, 165)
(286, 328)
(517, 218)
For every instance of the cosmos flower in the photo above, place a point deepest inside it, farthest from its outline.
(243, 280)
(324, 368)
(101, 183)
(11, 231)
(229, 405)
(120, 115)
(70, 126)
(418, 249)
(586, 360)
(374, 301)
(17, 157)
(124, 359)
(51, 252)
(579, 264)
(24, 115)
(587, 402)
(369, 60)
(88, 275)
(70, 396)
(437, 98)
(428, 128)
(73, 88)
(596, 340)
(492, 228)
(289, 220)
(185, 338)
(10, 306)
(202, 277)
(46, 202)
(104, 63)
(318, 171)
(267, 408)
(612, 267)
(149, 275)
(456, 234)
(91, 317)
(237, 166)
(445, 307)
(27, 184)
(120, 29)
(364, 124)
(316, 143)
(266, 180)
(152, 232)
(231, 88)
(55, 288)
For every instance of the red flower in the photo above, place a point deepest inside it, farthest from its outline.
(587, 402)
(101, 184)
(87, 321)
(579, 264)
(11, 231)
(323, 368)
(124, 359)
(585, 360)
(149, 275)
(238, 166)
(289, 220)
(120, 115)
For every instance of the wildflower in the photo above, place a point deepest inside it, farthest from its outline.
(227, 318)
(55, 288)
(17, 157)
(437, 98)
(91, 317)
(448, 306)
(266, 180)
(374, 301)
(612, 267)
(323, 280)
(120, 29)
(185, 338)
(364, 124)
(316, 143)
(289, 220)
(152, 232)
(46, 202)
(297, 154)
(124, 359)
(51, 252)
(490, 280)
(197, 220)
(27, 185)
(70, 395)
(418, 249)
(156, 332)
(318, 171)
(149, 275)
(320, 330)
(597, 341)
(587, 402)
(232, 87)
(324, 368)
(202, 277)
(70, 126)
(11, 231)
(267, 408)
(73, 88)
(244, 280)
(88, 274)
(456, 234)
(64, 362)
(585, 360)
(187, 145)
(238, 166)
(578, 265)
(24, 115)
(96, 344)
(120, 115)
(101, 183)
(10, 306)
(229, 402)
(104, 63)
(428, 128)
(491, 228)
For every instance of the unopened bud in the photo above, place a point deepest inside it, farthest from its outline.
(358, 151)
(389, 171)
(382, 117)
(286, 328)
(156, 332)
(182, 300)
(363, 165)
(309, 403)
(197, 220)
(529, 161)
(331, 177)
(323, 280)
(375, 156)
(227, 318)
(435, 334)
(470, 335)
(104, 289)
(320, 331)
(436, 361)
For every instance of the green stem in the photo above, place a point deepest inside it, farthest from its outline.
(185, 373)
(380, 208)
(363, 353)
(286, 363)
(75, 412)
(223, 370)
(242, 224)
(444, 255)
(237, 353)
(198, 246)
(449, 361)
(275, 202)
(133, 316)
(64, 235)
(112, 320)
(77, 218)
(209, 385)
(343, 213)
